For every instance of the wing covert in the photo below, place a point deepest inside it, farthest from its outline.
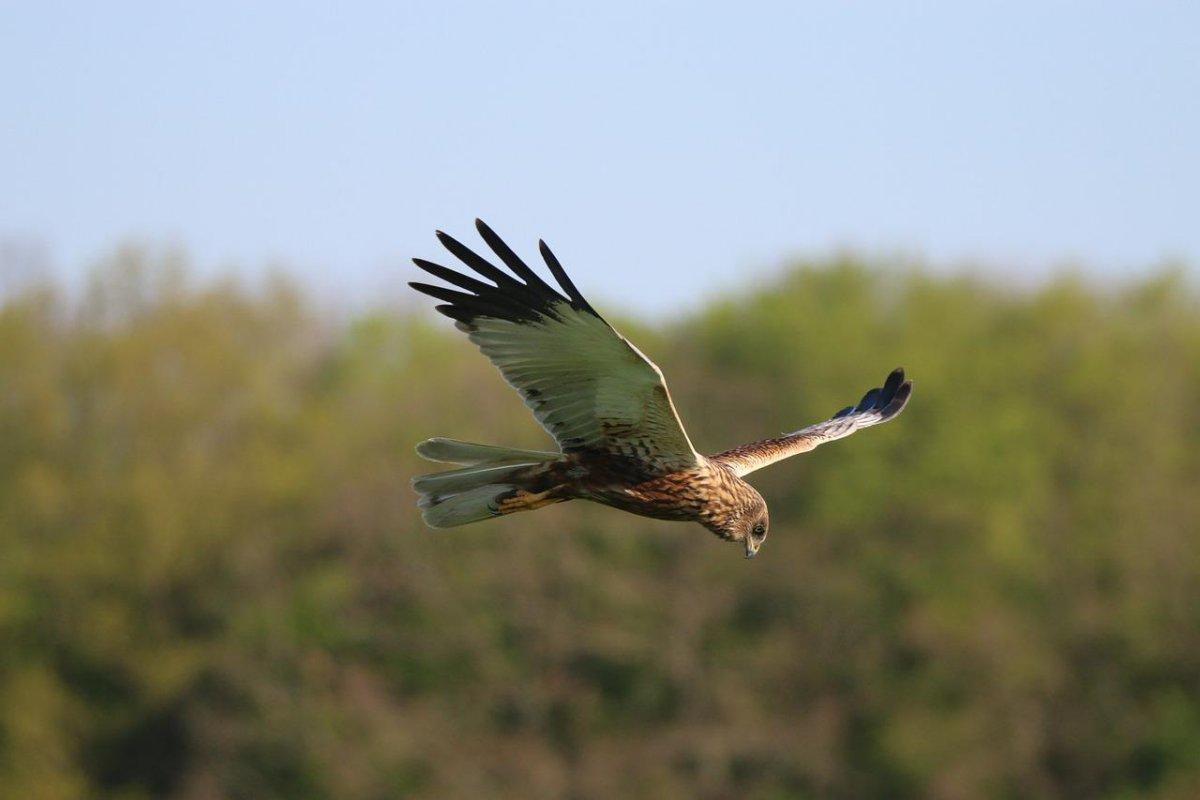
(588, 386)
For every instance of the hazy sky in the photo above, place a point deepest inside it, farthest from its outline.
(651, 144)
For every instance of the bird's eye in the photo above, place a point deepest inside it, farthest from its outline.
(760, 529)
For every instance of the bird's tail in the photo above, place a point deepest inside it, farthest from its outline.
(493, 481)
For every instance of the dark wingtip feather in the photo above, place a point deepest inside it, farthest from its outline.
(448, 241)
(440, 292)
(470, 305)
(894, 379)
(564, 280)
(452, 277)
(459, 315)
(897, 403)
(475, 261)
(509, 298)
(887, 400)
(511, 259)
(889, 389)
(868, 400)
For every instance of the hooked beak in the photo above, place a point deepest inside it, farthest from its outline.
(751, 548)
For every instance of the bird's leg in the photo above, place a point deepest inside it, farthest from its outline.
(522, 500)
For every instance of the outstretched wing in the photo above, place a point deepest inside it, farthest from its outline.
(878, 405)
(588, 386)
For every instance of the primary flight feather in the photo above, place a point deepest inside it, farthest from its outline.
(620, 440)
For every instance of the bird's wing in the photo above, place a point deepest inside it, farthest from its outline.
(588, 386)
(878, 405)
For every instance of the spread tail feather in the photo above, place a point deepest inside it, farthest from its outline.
(483, 502)
(452, 451)
(493, 483)
(456, 481)
(448, 511)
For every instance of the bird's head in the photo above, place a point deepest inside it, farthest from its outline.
(747, 525)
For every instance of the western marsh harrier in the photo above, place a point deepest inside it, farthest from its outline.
(606, 405)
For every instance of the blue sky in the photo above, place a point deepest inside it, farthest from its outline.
(652, 144)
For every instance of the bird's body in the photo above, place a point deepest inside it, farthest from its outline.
(621, 443)
(696, 494)
(703, 493)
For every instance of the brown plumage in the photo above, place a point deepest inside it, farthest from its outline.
(607, 406)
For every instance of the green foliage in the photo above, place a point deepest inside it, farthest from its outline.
(214, 581)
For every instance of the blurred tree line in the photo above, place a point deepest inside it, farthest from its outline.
(214, 582)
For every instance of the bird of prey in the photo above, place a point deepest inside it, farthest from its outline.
(620, 440)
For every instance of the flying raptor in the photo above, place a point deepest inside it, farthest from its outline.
(620, 440)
